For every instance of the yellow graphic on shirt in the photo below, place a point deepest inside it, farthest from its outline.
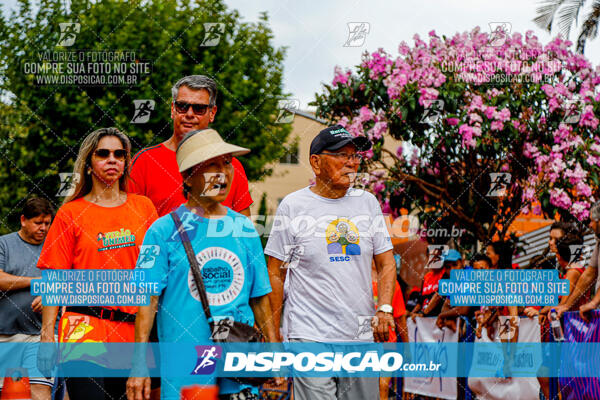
(342, 237)
(75, 330)
(116, 239)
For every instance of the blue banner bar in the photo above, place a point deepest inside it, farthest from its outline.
(311, 359)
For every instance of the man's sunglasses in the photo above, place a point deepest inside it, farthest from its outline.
(199, 109)
(120, 154)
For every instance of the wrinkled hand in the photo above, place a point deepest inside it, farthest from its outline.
(36, 304)
(138, 388)
(531, 312)
(585, 309)
(381, 326)
(46, 358)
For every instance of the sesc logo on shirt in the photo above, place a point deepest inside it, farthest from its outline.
(343, 240)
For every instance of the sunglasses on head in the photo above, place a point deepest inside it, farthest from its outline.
(120, 154)
(199, 109)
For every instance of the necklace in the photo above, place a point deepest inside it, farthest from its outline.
(110, 202)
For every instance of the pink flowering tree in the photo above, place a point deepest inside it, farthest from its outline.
(457, 119)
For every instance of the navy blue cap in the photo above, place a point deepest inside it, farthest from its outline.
(334, 138)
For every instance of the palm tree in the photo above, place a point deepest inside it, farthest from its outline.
(567, 12)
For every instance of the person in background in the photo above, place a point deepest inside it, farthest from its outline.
(500, 253)
(413, 298)
(99, 226)
(586, 280)
(569, 266)
(398, 331)
(154, 171)
(562, 235)
(559, 229)
(20, 312)
(431, 303)
(484, 316)
(481, 261)
(449, 314)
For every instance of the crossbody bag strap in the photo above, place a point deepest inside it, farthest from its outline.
(195, 268)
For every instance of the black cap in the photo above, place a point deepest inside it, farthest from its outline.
(335, 137)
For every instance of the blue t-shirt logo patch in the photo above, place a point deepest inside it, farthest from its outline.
(223, 275)
(207, 356)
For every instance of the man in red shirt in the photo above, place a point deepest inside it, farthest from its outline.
(154, 171)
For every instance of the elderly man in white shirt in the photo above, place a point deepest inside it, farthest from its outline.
(329, 236)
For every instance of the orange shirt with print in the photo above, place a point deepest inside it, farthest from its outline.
(84, 235)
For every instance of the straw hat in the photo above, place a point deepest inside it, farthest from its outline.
(199, 146)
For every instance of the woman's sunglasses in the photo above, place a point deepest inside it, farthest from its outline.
(120, 154)
(199, 109)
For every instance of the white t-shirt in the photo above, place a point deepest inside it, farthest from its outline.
(329, 244)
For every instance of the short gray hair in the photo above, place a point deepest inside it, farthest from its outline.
(197, 82)
(595, 211)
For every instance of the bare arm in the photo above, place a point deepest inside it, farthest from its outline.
(433, 303)
(386, 279)
(277, 278)
(144, 319)
(138, 388)
(246, 212)
(143, 325)
(49, 314)
(573, 276)
(46, 355)
(415, 312)
(455, 312)
(261, 306)
(13, 282)
(513, 311)
(386, 276)
(586, 280)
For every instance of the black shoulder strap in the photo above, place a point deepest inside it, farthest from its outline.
(195, 268)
